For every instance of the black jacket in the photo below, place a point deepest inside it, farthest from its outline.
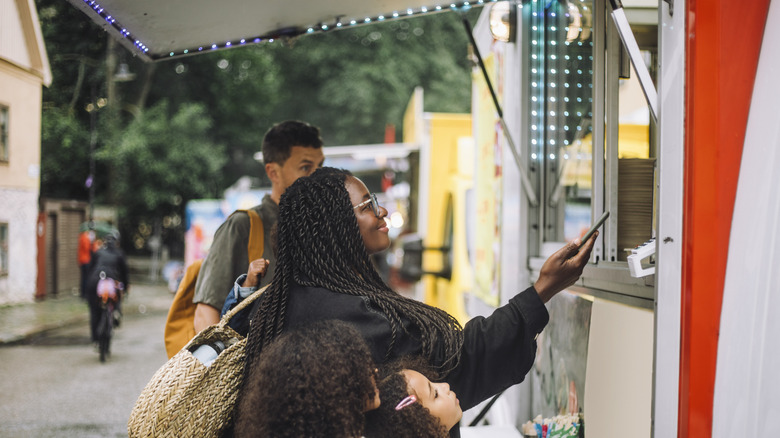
(110, 260)
(497, 351)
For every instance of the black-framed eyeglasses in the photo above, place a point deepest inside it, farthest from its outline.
(374, 204)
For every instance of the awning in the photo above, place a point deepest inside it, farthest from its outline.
(165, 29)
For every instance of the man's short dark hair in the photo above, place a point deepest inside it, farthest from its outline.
(280, 139)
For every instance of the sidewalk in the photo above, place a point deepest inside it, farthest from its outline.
(22, 321)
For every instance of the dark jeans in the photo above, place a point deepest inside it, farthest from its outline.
(95, 310)
(84, 274)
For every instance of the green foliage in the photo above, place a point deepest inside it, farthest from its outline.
(353, 82)
(64, 156)
(241, 89)
(161, 161)
(188, 128)
(73, 42)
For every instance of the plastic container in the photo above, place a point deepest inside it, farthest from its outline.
(207, 353)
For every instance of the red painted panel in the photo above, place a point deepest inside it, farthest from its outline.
(724, 40)
(40, 280)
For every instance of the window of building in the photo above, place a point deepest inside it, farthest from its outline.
(3, 249)
(4, 133)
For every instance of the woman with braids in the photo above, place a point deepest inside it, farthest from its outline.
(328, 225)
(317, 380)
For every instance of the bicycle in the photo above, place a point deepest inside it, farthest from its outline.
(109, 292)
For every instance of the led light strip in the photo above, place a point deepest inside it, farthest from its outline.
(97, 9)
(287, 32)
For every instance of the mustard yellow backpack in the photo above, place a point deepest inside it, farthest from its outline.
(180, 325)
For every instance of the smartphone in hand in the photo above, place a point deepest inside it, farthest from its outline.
(593, 229)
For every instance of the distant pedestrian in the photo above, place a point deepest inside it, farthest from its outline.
(85, 249)
(109, 261)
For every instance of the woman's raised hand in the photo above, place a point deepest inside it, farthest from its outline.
(563, 268)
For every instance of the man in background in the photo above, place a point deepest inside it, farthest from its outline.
(86, 238)
(291, 150)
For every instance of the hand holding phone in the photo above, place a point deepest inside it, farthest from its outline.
(593, 229)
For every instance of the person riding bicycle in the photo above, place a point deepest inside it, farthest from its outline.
(107, 278)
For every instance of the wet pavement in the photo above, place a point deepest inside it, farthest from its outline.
(56, 386)
(22, 322)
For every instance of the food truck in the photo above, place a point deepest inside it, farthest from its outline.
(657, 111)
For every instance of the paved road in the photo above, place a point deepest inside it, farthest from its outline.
(55, 385)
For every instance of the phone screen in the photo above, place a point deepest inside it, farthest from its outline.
(595, 227)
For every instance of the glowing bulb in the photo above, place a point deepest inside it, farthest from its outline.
(396, 220)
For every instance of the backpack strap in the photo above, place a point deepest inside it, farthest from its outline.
(256, 243)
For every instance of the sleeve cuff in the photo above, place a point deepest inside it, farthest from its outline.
(242, 292)
(533, 309)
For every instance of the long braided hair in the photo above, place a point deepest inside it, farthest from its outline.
(319, 244)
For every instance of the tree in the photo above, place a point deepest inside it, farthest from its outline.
(75, 48)
(353, 82)
(189, 128)
(160, 163)
(65, 155)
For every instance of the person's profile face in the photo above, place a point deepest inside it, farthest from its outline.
(436, 397)
(373, 228)
(303, 161)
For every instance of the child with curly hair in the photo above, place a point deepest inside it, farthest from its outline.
(412, 404)
(317, 380)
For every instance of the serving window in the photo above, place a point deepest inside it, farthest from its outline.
(591, 139)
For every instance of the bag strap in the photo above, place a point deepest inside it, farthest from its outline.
(241, 306)
(256, 243)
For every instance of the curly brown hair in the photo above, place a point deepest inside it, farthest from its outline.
(314, 381)
(413, 421)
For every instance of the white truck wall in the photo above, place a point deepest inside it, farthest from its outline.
(746, 386)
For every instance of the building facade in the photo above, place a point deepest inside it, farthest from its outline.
(24, 70)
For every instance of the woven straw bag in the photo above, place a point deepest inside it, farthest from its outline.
(184, 398)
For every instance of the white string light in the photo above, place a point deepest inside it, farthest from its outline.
(320, 27)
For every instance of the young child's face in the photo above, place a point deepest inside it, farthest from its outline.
(436, 397)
